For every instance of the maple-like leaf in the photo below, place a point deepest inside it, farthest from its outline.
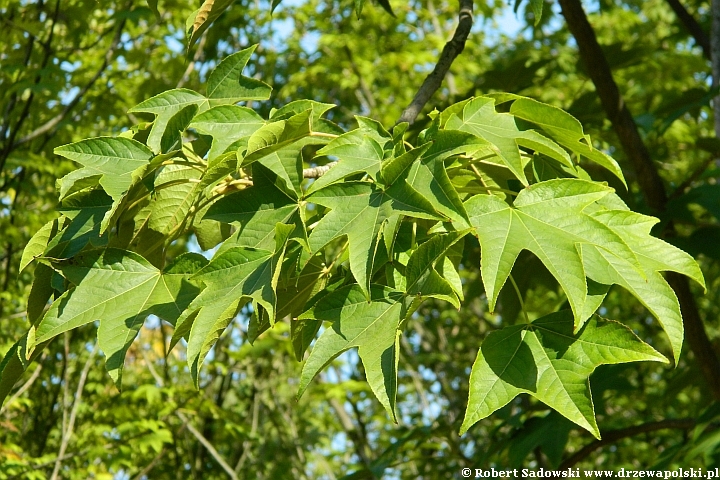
(359, 151)
(120, 289)
(359, 210)
(371, 326)
(256, 210)
(548, 220)
(500, 129)
(548, 361)
(232, 277)
(564, 224)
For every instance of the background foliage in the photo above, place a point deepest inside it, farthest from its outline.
(72, 70)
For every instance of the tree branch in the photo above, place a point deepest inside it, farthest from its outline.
(53, 122)
(692, 26)
(613, 436)
(648, 177)
(319, 171)
(452, 49)
(208, 446)
(73, 414)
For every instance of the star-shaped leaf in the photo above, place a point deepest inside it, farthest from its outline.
(500, 129)
(256, 210)
(564, 129)
(231, 278)
(370, 326)
(546, 360)
(112, 159)
(655, 256)
(120, 289)
(164, 106)
(358, 151)
(226, 124)
(227, 85)
(359, 210)
(548, 220)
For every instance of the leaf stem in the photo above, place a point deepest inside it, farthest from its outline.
(520, 298)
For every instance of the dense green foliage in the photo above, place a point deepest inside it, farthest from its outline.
(425, 275)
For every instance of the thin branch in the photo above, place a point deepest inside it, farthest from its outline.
(317, 172)
(73, 413)
(613, 436)
(209, 447)
(692, 26)
(650, 182)
(715, 59)
(53, 122)
(25, 386)
(693, 176)
(452, 49)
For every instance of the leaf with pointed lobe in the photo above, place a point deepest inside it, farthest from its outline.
(548, 219)
(359, 210)
(500, 129)
(113, 159)
(120, 289)
(231, 278)
(165, 106)
(227, 85)
(564, 129)
(226, 124)
(546, 360)
(371, 326)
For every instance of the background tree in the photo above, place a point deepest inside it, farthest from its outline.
(72, 70)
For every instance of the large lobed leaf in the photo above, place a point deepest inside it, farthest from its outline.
(555, 221)
(548, 361)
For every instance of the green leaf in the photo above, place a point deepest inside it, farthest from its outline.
(546, 360)
(113, 159)
(199, 21)
(430, 178)
(370, 326)
(359, 210)
(227, 85)
(537, 8)
(120, 289)
(165, 106)
(37, 244)
(255, 210)
(40, 292)
(171, 139)
(421, 272)
(548, 220)
(276, 135)
(654, 256)
(358, 151)
(564, 129)
(480, 118)
(86, 210)
(226, 124)
(233, 276)
(174, 195)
